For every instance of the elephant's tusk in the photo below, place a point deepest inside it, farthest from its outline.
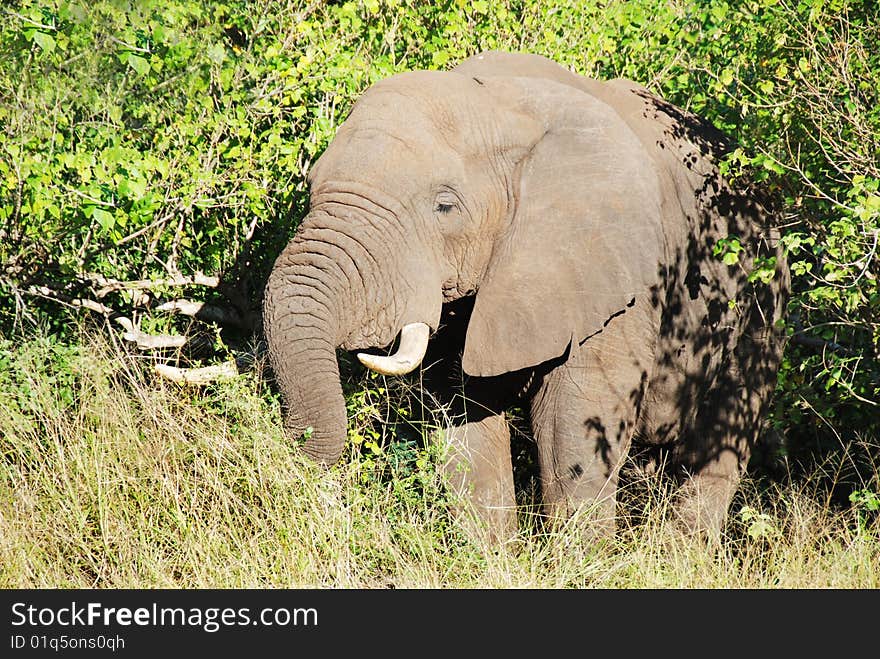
(410, 353)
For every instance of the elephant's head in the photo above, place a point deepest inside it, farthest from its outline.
(527, 191)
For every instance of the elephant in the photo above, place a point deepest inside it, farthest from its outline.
(554, 242)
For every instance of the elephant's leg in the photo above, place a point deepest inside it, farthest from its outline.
(480, 473)
(705, 495)
(478, 465)
(583, 418)
(715, 453)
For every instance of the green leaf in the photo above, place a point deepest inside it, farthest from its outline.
(772, 165)
(217, 53)
(44, 41)
(105, 219)
(132, 188)
(139, 64)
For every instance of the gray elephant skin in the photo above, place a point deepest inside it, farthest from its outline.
(548, 239)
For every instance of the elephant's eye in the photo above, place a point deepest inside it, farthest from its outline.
(445, 202)
(447, 208)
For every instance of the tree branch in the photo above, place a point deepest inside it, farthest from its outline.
(207, 312)
(154, 342)
(108, 286)
(144, 341)
(197, 376)
(820, 344)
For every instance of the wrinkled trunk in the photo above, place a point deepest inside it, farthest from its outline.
(301, 325)
(343, 281)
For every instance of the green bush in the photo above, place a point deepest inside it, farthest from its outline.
(154, 153)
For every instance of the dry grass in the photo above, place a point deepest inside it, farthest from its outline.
(111, 478)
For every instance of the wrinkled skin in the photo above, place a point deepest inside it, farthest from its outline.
(555, 233)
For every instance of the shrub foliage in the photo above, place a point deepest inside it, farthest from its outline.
(153, 153)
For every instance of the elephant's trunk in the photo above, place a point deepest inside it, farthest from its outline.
(301, 323)
(340, 282)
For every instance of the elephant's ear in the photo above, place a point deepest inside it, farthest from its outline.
(584, 241)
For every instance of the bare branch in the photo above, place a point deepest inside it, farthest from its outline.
(112, 285)
(30, 20)
(197, 376)
(48, 293)
(819, 344)
(144, 341)
(129, 46)
(142, 230)
(154, 342)
(88, 197)
(185, 307)
(205, 311)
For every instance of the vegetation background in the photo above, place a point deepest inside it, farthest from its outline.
(152, 165)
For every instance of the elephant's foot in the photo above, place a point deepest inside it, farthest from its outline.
(710, 464)
(480, 475)
(702, 501)
(591, 518)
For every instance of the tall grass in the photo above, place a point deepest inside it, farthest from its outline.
(113, 478)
